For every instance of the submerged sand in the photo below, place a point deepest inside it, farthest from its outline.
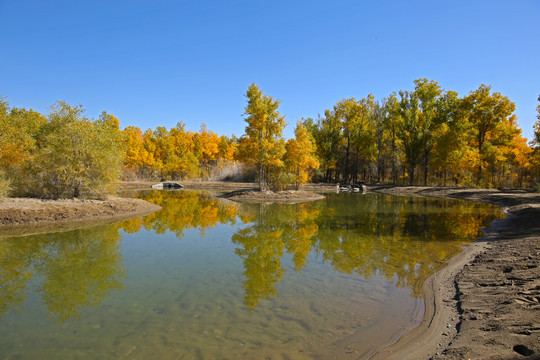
(485, 303)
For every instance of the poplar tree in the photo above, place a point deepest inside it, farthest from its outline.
(262, 145)
(486, 115)
(300, 158)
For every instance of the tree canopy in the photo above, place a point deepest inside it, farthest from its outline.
(262, 144)
(425, 135)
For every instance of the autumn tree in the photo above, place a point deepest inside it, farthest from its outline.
(137, 157)
(262, 145)
(78, 157)
(428, 93)
(536, 126)
(347, 111)
(327, 136)
(450, 138)
(299, 158)
(180, 160)
(379, 120)
(206, 148)
(393, 124)
(19, 130)
(5, 186)
(535, 143)
(486, 112)
(411, 132)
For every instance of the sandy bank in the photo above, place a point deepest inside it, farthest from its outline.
(24, 216)
(485, 303)
(288, 196)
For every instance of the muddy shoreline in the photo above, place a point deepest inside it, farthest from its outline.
(288, 196)
(24, 216)
(485, 303)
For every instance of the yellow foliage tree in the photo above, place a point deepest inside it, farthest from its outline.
(300, 156)
(77, 157)
(206, 148)
(262, 145)
(137, 157)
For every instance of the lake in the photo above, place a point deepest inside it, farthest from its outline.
(207, 278)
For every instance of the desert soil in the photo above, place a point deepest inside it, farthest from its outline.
(485, 304)
(26, 216)
(289, 196)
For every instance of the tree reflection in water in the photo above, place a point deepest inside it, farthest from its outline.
(402, 239)
(72, 269)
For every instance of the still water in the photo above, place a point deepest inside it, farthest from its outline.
(207, 278)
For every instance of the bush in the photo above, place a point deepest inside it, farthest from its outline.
(77, 158)
(5, 186)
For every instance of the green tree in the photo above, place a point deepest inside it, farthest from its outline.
(347, 111)
(19, 129)
(393, 125)
(536, 140)
(428, 92)
(327, 136)
(78, 157)
(379, 121)
(411, 133)
(262, 145)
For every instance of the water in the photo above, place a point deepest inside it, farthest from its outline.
(206, 278)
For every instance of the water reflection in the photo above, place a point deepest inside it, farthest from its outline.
(72, 270)
(402, 239)
(183, 210)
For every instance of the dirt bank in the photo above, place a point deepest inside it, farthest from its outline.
(24, 216)
(224, 185)
(485, 304)
(221, 185)
(288, 196)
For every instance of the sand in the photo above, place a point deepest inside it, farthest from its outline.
(287, 196)
(28, 216)
(485, 303)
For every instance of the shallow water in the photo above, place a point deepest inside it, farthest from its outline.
(206, 278)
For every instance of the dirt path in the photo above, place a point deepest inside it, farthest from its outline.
(485, 304)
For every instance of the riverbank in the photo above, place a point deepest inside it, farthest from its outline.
(26, 216)
(485, 303)
(288, 196)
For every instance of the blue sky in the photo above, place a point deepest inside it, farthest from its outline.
(154, 63)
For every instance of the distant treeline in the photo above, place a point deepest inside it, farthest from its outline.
(427, 136)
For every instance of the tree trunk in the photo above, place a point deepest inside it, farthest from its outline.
(394, 170)
(261, 178)
(347, 161)
(426, 159)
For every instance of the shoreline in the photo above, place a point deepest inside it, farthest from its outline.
(483, 313)
(287, 196)
(26, 216)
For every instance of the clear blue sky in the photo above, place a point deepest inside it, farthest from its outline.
(154, 63)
